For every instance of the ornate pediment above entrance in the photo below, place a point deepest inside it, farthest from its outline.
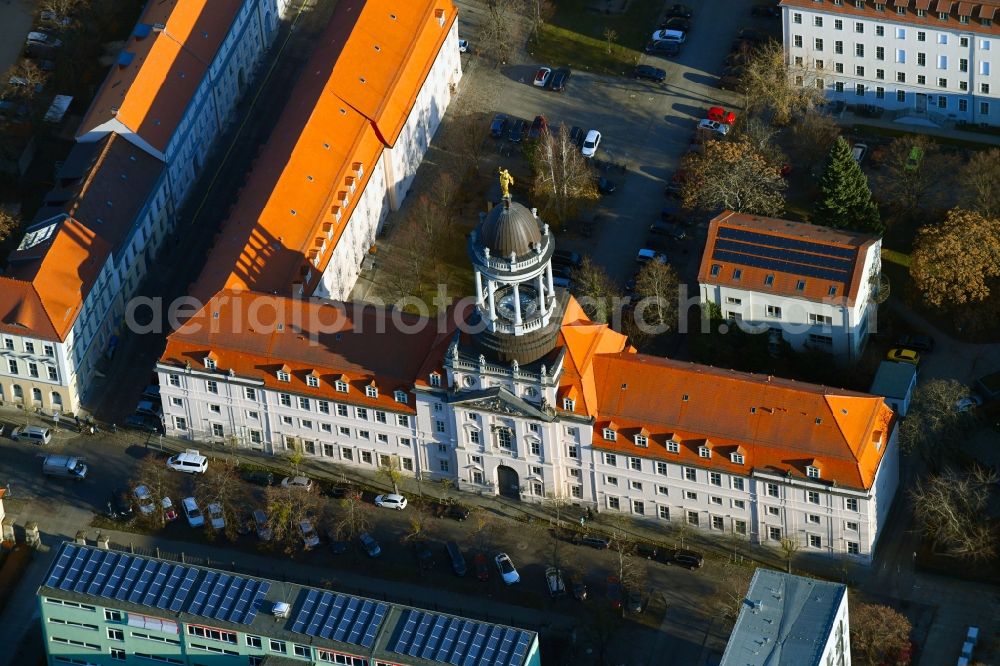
(501, 401)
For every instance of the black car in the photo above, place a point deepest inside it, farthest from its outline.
(597, 542)
(605, 186)
(498, 125)
(456, 558)
(668, 229)
(538, 126)
(683, 11)
(685, 558)
(560, 78)
(144, 422)
(753, 35)
(647, 550)
(458, 512)
(339, 547)
(425, 558)
(649, 73)
(516, 130)
(676, 23)
(916, 342)
(765, 11)
(663, 48)
(259, 478)
(566, 258)
(120, 504)
(577, 135)
(731, 83)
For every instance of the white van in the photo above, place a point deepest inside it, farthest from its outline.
(675, 36)
(34, 434)
(191, 461)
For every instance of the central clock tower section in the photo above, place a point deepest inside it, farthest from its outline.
(517, 305)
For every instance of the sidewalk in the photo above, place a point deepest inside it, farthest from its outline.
(849, 119)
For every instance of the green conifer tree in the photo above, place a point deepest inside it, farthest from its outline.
(844, 199)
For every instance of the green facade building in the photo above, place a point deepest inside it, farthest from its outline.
(103, 607)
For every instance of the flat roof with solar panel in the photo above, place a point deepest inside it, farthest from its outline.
(168, 596)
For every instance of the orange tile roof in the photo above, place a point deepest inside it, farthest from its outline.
(49, 279)
(324, 338)
(285, 220)
(738, 241)
(781, 425)
(171, 48)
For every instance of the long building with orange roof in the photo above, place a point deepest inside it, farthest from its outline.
(809, 286)
(178, 77)
(343, 153)
(515, 392)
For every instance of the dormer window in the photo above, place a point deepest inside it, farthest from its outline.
(340, 386)
(833, 290)
(737, 273)
(400, 396)
(673, 447)
(435, 379)
(312, 381)
(715, 270)
(371, 391)
(569, 404)
(610, 435)
(812, 472)
(209, 363)
(284, 376)
(800, 285)
(704, 452)
(768, 280)
(641, 440)
(736, 458)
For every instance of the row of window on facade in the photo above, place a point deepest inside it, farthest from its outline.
(672, 446)
(14, 369)
(17, 394)
(859, 26)
(737, 275)
(312, 381)
(29, 347)
(850, 504)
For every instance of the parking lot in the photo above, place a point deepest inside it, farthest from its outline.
(15, 22)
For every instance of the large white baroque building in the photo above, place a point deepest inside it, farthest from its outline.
(927, 60)
(812, 286)
(519, 394)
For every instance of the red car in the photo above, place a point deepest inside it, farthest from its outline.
(615, 591)
(720, 115)
(482, 567)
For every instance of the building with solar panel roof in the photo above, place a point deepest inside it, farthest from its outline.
(102, 606)
(814, 287)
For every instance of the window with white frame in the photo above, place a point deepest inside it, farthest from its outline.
(610, 434)
(739, 504)
(312, 380)
(340, 386)
(661, 468)
(815, 541)
(690, 473)
(285, 399)
(641, 440)
(400, 396)
(691, 495)
(812, 497)
(611, 480)
(638, 507)
(613, 503)
(663, 512)
(851, 503)
(737, 483)
(636, 485)
(569, 404)
(304, 403)
(812, 472)
(673, 447)
(284, 376)
(371, 391)
(635, 464)
(435, 379)
(812, 519)
(662, 490)
(610, 459)
(704, 452)
(715, 478)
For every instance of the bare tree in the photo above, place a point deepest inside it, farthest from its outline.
(538, 12)
(485, 527)
(24, 79)
(161, 482)
(596, 291)
(610, 36)
(760, 134)
(812, 135)
(733, 175)
(286, 508)
(771, 85)
(354, 517)
(683, 530)
(222, 485)
(951, 509)
(500, 30)
(631, 571)
(10, 222)
(58, 9)
(933, 427)
(880, 635)
(789, 547)
(564, 182)
(734, 582)
(391, 472)
(416, 531)
(980, 182)
(657, 295)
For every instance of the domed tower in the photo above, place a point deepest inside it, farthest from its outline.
(511, 252)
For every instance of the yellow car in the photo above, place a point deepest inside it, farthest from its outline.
(903, 355)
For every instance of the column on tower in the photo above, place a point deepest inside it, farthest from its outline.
(517, 304)
(541, 295)
(490, 288)
(548, 277)
(479, 288)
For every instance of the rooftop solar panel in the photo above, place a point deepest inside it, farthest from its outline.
(215, 596)
(346, 619)
(506, 644)
(59, 568)
(229, 598)
(156, 587)
(302, 619)
(759, 238)
(243, 602)
(448, 642)
(250, 616)
(520, 649)
(174, 576)
(201, 594)
(845, 266)
(115, 577)
(433, 643)
(143, 581)
(73, 569)
(378, 615)
(775, 265)
(462, 644)
(103, 571)
(319, 615)
(183, 590)
(128, 580)
(89, 569)
(406, 633)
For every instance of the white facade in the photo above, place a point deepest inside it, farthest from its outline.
(834, 327)
(938, 72)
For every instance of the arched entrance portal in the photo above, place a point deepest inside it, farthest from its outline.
(508, 482)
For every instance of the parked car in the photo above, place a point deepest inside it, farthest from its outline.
(605, 186)
(668, 229)
(554, 582)
(597, 542)
(646, 255)
(34, 434)
(917, 342)
(370, 545)
(614, 591)
(753, 35)
(590, 144)
(52, 17)
(579, 587)
(498, 125)
(425, 557)
(538, 126)
(339, 547)
(309, 537)
(685, 558)
(391, 501)
(120, 505)
(263, 525)
(258, 478)
(633, 602)
(576, 136)
(903, 355)
(676, 23)
(144, 422)
(662, 48)
(682, 11)
(566, 258)
(713, 126)
(457, 512)
(216, 518)
(647, 550)
(730, 82)
(663, 35)
(456, 558)
(516, 130)
(506, 568)
(560, 78)
(463, 45)
(150, 408)
(562, 282)
(192, 512)
(542, 77)
(765, 11)
(297, 483)
(720, 115)
(968, 403)
(649, 73)
(42, 39)
(190, 462)
(482, 567)
(858, 152)
(144, 499)
(169, 512)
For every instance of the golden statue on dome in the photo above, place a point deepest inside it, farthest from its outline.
(506, 181)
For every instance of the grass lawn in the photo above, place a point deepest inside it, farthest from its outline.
(574, 37)
(895, 257)
(873, 130)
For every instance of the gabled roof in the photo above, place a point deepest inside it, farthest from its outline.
(978, 10)
(793, 259)
(499, 399)
(254, 335)
(351, 102)
(160, 67)
(783, 425)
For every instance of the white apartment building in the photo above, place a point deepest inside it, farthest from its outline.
(923, 61)
(808, 285)
(538, 403)
(788, 620)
